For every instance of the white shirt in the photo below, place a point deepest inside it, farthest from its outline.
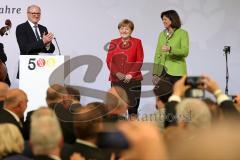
(86, 143)
(54, 157)
(33, 28)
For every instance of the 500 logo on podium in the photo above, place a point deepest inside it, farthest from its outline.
(34, 63)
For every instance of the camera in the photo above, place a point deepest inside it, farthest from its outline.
(193, 81)
(227, 49)
(113, 140)
(194, 91)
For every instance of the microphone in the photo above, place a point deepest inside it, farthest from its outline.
(59, 52)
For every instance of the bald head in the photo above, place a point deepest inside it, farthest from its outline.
(3, 90)
(32, 7)
(16, 98)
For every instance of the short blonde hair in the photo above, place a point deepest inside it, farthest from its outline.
(11, 140)
(126, 22)
(44, 124)
(194, 112)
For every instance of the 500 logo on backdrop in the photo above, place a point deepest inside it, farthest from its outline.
(34, 63)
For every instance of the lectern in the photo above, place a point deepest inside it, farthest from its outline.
(34, 74)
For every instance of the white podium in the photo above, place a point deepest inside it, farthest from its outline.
(34, 73)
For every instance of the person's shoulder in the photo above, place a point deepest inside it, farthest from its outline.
(116, 40)
(182, 30)
(23, 24)
(137, 40)
(41, 26)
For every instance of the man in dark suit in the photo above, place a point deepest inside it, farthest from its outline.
(14, 106)
(88, 122)
(32, 37)
(46, 137)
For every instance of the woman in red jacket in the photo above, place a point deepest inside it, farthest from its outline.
(124, 60)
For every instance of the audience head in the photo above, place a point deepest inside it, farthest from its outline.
(116, 101)
(214, 109)
(11, 140)
(45, 134)
(88, 121)
(219, 142)
(34, 14)
(171, 19)
(16, 101)
(193, 113)
(56, 94)
(162, 91)
(73, 93)
(3, 90)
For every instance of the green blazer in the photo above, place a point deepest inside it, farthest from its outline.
(173, 61)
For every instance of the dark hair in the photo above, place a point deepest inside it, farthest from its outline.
(87, 120)
(55, 91)
(174, 18)
(126, 22)
(163, 90)
(75, 93)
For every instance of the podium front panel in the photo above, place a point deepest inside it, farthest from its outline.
(34, 74)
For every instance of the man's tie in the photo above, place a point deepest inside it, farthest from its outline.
(36, 32)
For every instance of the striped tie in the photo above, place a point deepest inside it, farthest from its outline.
(36, 33)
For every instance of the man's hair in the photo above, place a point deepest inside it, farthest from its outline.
(45, 134)
(87, 120)
(32, 6)
(73, 93)
(55, 92)
(194, 113)
(11, 140)
(174, 18)
(14, 97)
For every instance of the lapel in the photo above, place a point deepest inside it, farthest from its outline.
(30, 31)
(41, 29)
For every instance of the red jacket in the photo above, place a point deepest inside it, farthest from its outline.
(125, 58)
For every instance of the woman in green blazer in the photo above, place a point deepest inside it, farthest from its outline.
(172, 49)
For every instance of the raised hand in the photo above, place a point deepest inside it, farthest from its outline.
(47, 38)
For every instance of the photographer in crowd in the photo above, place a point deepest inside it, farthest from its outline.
(204, 82)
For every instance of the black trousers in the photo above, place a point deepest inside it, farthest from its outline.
(133, 90)
(169, 78)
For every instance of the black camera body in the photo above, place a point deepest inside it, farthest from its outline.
(227, 49)
(194, 91)
(193, 81)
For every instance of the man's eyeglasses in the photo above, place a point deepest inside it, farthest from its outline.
(33, 13)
